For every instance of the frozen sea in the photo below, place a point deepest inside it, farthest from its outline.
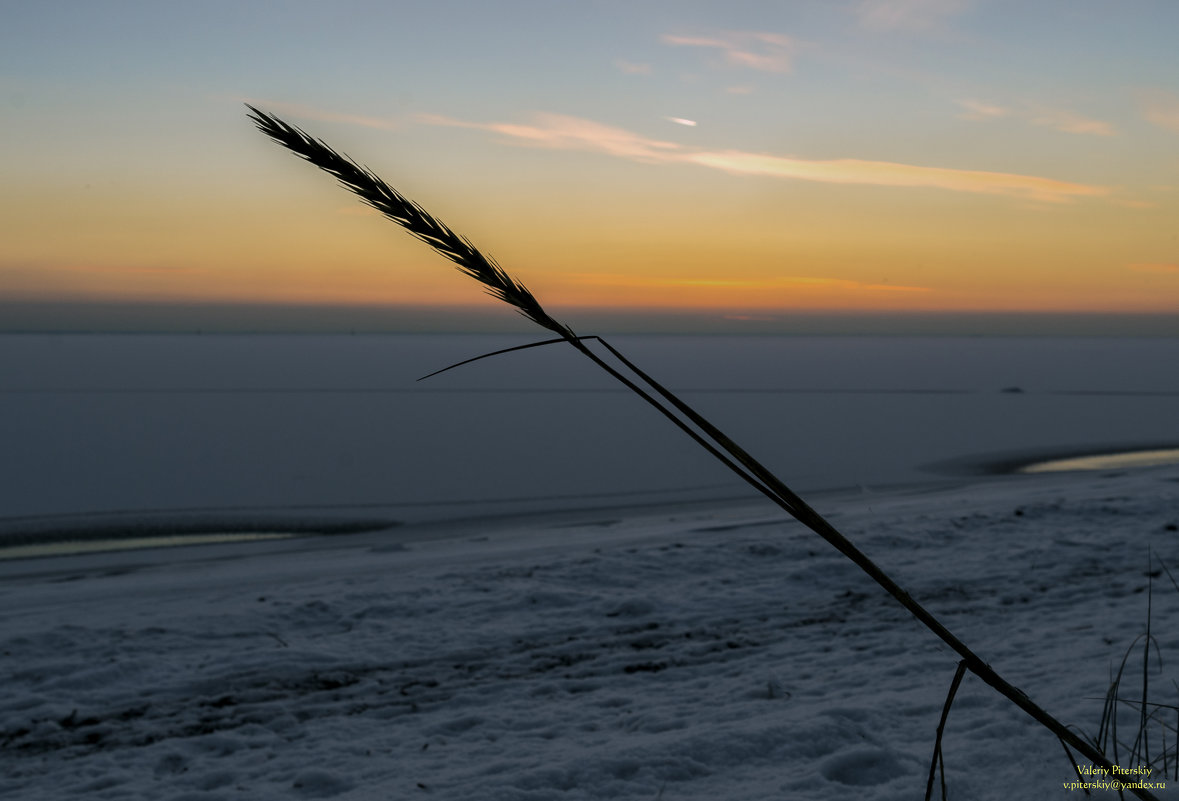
(175, 433)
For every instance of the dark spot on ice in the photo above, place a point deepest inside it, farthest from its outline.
(71, 721)
(645, 643)
(645, 667)
(15, 735)
(405, 688)
(334, 680)
(635, 629)
(862, 767)
(134, 712)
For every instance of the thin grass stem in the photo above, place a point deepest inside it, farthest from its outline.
(1072, 761)
(938, 759)
(1143, 718)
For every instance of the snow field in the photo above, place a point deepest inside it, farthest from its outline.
(720, 653)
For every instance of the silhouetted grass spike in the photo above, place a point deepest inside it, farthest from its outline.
(409, 215)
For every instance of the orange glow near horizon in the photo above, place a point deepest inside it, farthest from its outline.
(352, 259)
(700, 229)
(324, 251)
(426, 282)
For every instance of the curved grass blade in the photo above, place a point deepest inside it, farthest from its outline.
(496, 353)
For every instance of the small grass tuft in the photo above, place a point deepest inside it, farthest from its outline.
(1127, 721)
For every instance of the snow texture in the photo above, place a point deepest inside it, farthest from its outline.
(720, 652)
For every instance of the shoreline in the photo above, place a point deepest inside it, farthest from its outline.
(39, 537)
(1015, 462)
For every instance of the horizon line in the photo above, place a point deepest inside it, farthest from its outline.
(42, 316)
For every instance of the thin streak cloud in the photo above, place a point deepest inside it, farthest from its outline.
(573, 133)
(755, 50)
(561, 132)
(1160, 108)
(1058, 119)
(978, 110)
(632, 281)
(631, 67)
(886, 173)
(1070, 122)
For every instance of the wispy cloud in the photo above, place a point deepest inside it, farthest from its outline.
(755, 50)
(631, 67)
(1160, 108)
(1070, 122)
(887, 173)
(978, 110)
(573, 133)
(562, 132)
(1056, 118)
(918, 16)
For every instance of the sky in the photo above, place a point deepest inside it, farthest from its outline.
(740, 160)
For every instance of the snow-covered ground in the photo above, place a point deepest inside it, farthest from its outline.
(710, 652)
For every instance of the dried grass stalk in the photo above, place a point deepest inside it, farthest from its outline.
(412, 217)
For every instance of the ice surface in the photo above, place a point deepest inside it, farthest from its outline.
(318, 426)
